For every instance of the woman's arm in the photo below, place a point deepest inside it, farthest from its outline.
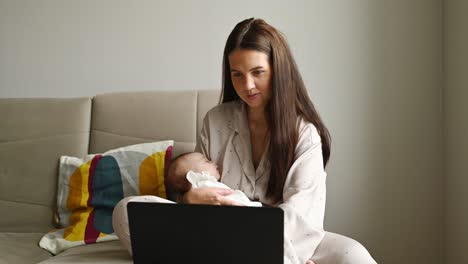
(180, 185)
(203, 141)
(304, 199)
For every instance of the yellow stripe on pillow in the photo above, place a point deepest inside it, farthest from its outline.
(78, 221)
(152, 175)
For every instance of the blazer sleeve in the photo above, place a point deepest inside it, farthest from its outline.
(304, 199)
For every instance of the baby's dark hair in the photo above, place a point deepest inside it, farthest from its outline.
(176, 175)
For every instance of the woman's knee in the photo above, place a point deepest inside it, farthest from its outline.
(120, 217)
(338, 249)
(120, 223)
(355, 252)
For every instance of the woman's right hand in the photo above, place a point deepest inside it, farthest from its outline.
(212, 195)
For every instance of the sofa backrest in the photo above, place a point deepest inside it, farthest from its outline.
(122, 119)
(34, 133)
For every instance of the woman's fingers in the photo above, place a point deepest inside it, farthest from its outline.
(225, 201)
(206, 196)
(222, 191)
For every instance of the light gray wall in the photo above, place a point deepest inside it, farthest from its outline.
(372, 68)
(75, 48)
(456, 132)
(377, 73)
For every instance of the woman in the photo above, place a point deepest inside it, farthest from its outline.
(266, 136)
(268, 141)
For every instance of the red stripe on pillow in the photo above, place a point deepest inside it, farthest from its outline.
(92, 168)
(167, 161)
(91, 234)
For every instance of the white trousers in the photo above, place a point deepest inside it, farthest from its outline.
(334, 248)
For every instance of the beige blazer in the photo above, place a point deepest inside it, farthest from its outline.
(225, 139)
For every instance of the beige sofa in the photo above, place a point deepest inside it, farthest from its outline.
(35, 132)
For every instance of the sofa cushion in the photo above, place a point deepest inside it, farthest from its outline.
(21, 248)
(89, 189)
(106, 252)
(34, 134)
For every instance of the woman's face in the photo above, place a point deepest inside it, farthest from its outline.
(251, 77)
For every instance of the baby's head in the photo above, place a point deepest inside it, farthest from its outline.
(193, 161)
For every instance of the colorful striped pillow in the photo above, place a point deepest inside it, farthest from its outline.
(88, 190)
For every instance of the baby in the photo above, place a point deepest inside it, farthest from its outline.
(190, 170)
(193, 170)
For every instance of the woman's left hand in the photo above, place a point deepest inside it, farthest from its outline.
(210, 195)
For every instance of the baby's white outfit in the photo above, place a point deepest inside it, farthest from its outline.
(204, 179)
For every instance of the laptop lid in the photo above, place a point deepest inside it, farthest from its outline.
(209, 234)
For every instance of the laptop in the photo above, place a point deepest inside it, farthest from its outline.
(209, 234)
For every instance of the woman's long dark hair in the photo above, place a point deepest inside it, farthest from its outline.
(289, 98)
